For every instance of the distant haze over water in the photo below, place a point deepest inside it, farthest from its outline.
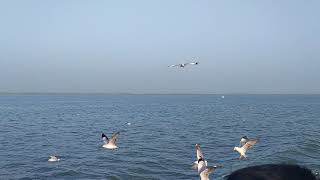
(126, 46)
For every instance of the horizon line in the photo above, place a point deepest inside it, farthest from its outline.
(128, 93)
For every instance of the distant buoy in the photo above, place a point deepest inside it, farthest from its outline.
(129, 124)
(222, 97)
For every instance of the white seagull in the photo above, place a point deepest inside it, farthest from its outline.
(202, 165)
(182, 65)
(245, 144)
(110, 143)
(199, 156)
(53, 159)
(204, 171)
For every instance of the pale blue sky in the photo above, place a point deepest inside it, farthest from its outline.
(243, 46)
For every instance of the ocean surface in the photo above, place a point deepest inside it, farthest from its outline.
(160, 142)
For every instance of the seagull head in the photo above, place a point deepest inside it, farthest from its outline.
(244, 137)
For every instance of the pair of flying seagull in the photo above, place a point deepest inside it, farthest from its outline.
(108, 144)
(201, 164)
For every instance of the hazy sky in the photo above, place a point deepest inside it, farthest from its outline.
(243, 46)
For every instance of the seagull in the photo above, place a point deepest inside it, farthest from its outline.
(245, 144)
(204, 171)
(199, 156)
(202, 165)
(53, 159)
(110, 143)
(182, 65)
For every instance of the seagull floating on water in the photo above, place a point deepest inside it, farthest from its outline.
(110, 143)
(53, 159)
(245, 145)
(182, 65)
(202, 165)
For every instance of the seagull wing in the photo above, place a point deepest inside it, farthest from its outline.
(104, 137)
(193, 63)
(174, 65)
(195, 165)
(199, 152)
(209, 170)
(249, 144)
(114, 138)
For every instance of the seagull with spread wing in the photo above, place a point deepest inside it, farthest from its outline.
(245, 145)
(110, 143)
(199, 156)
(182, 65)
(201, 165)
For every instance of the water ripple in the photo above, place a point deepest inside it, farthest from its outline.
(159, 143)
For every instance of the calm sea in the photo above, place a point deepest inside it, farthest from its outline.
(159, 143)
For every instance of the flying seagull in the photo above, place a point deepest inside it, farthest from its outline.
(182, 65)
(53, 159)
(110, 143)
(245, 145)
(204, 171)
(199, 156)
(202, 165)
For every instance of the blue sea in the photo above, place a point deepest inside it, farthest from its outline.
(160, 142)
